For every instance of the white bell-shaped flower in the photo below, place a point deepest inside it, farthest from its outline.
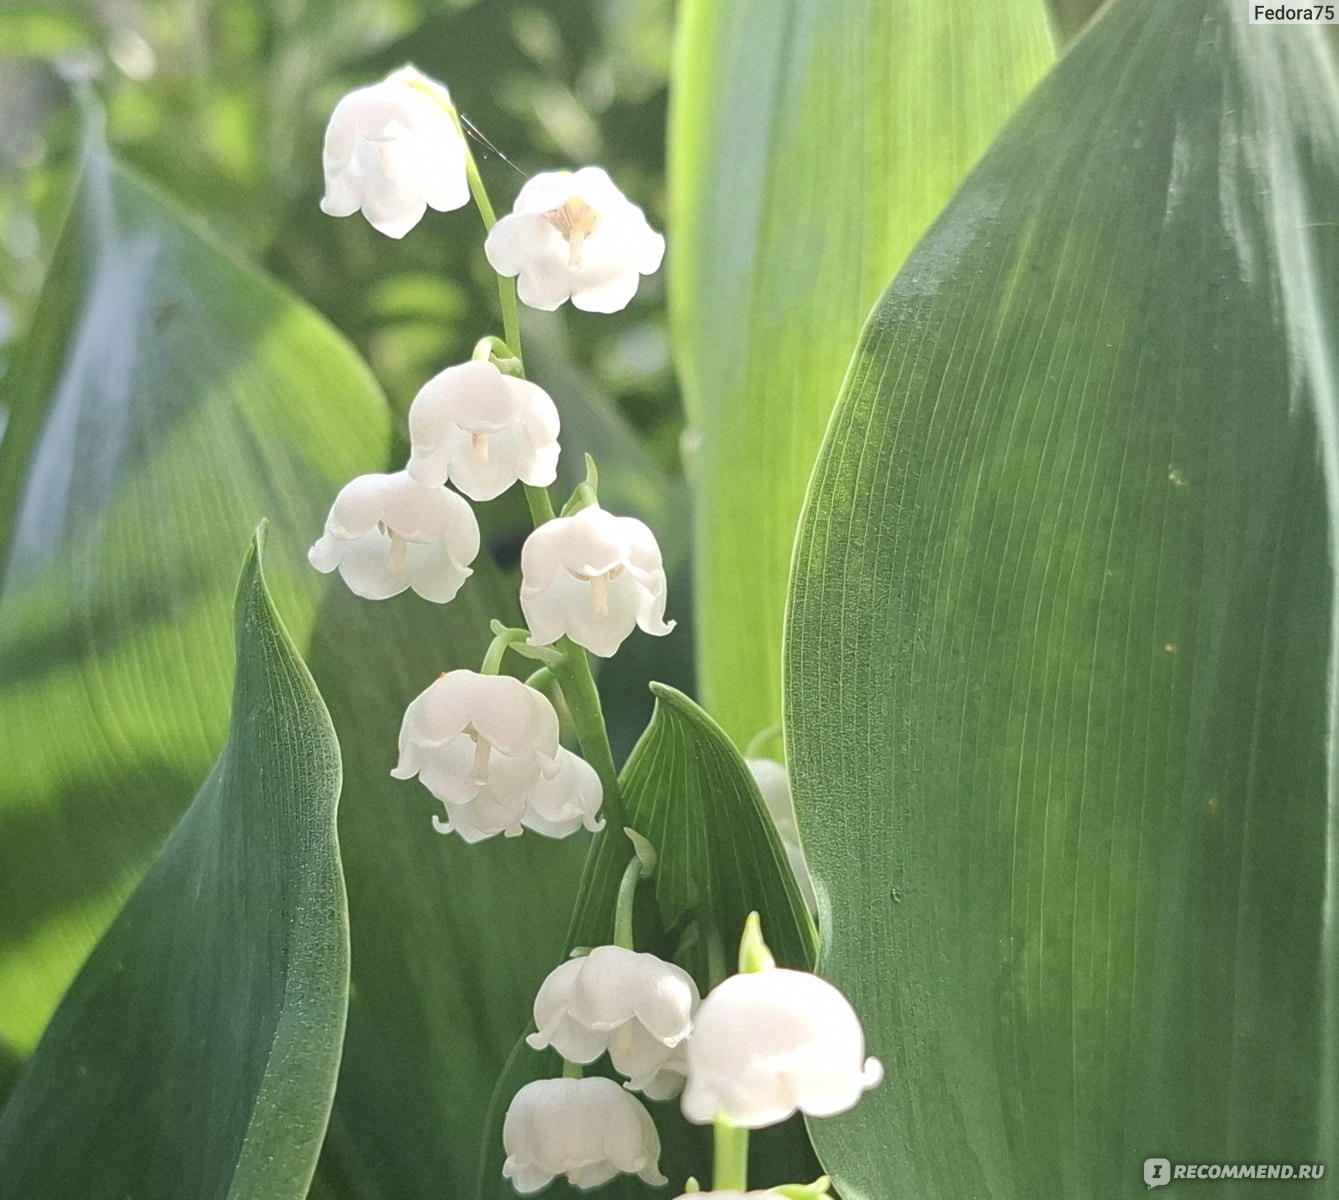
(636, 1006)
(560, 804)
(483, 430)
(774, 784)
(481, 744)
(393, 150)
(386, 533)
(574, 235)
(767, 1043)
(592, 576)
(587, 1129)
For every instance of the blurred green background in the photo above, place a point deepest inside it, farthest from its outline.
(223, 105)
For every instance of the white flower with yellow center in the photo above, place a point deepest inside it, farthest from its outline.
(772, 1041)
(483, 431)
(386, 533)
(594, 577)
(636, 1006)
(487, 747)
(393, 150)
(587, 1129)
(574, 235)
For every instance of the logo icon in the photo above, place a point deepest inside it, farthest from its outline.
(1157, 1172)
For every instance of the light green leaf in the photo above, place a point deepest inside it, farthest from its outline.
(812, 143)
(1061, 655)
(195, 1054)
(168, 398)
(718, 857)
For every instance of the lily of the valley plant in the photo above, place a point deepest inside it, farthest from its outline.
(487, 746)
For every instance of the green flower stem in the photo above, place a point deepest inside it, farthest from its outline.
(541, 506)
(498, 647)
(627, 894)
(506, 285)
(541, 680)
(730, 1160)
(574, 674)
(571, 1070)
(583, 702)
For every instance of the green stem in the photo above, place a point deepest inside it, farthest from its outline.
(571, 1070)
(541, 506)
(506, 284)
(730, 1161)
(583, 702)
(498, 647)
(627, 895)
(541, 680)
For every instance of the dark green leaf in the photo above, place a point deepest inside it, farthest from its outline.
(1061, 660)
(168, 398)
(195, 1054)
(813, 141)
(686, 790)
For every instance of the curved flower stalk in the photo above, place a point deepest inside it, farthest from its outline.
(483, 431)
(574, 235)
(586, 1129)
(487, 747)
(636, 1006)
(394, 150)
(774, 784)
(772, 1041)
(386, 533)
(810, 1191)
(594, 577)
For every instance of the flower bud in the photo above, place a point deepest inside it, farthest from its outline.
(769, 1042)
(587, 1129)
(636, 1006)
(393, 150)
(574, 235)
(592, 576)
(483, 430)
(386, 533)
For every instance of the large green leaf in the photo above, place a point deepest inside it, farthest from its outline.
(195, 1054)
(1062, 654)
(168, 398)
(718, 858)
(813, 141)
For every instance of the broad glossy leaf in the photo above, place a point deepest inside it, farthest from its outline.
(687, 791)
(195, 1053)
(812, 142)
(168, 398)
(1062, 648)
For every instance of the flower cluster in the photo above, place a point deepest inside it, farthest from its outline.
(486, 745)
(762, 1044)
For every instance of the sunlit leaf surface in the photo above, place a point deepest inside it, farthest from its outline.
(1061, 662)
(812, 143)
(196, 1052)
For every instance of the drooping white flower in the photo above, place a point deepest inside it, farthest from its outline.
(774, 784)
(386, 533)
(592, 576)
(767, 1043)
(561, 804)
(486, 746)
(587, 1129)
(393, 150)
(636, 1006)
(575, 235)
(483, 430)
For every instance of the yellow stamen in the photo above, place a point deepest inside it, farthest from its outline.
(479, 446)
(576, 221)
